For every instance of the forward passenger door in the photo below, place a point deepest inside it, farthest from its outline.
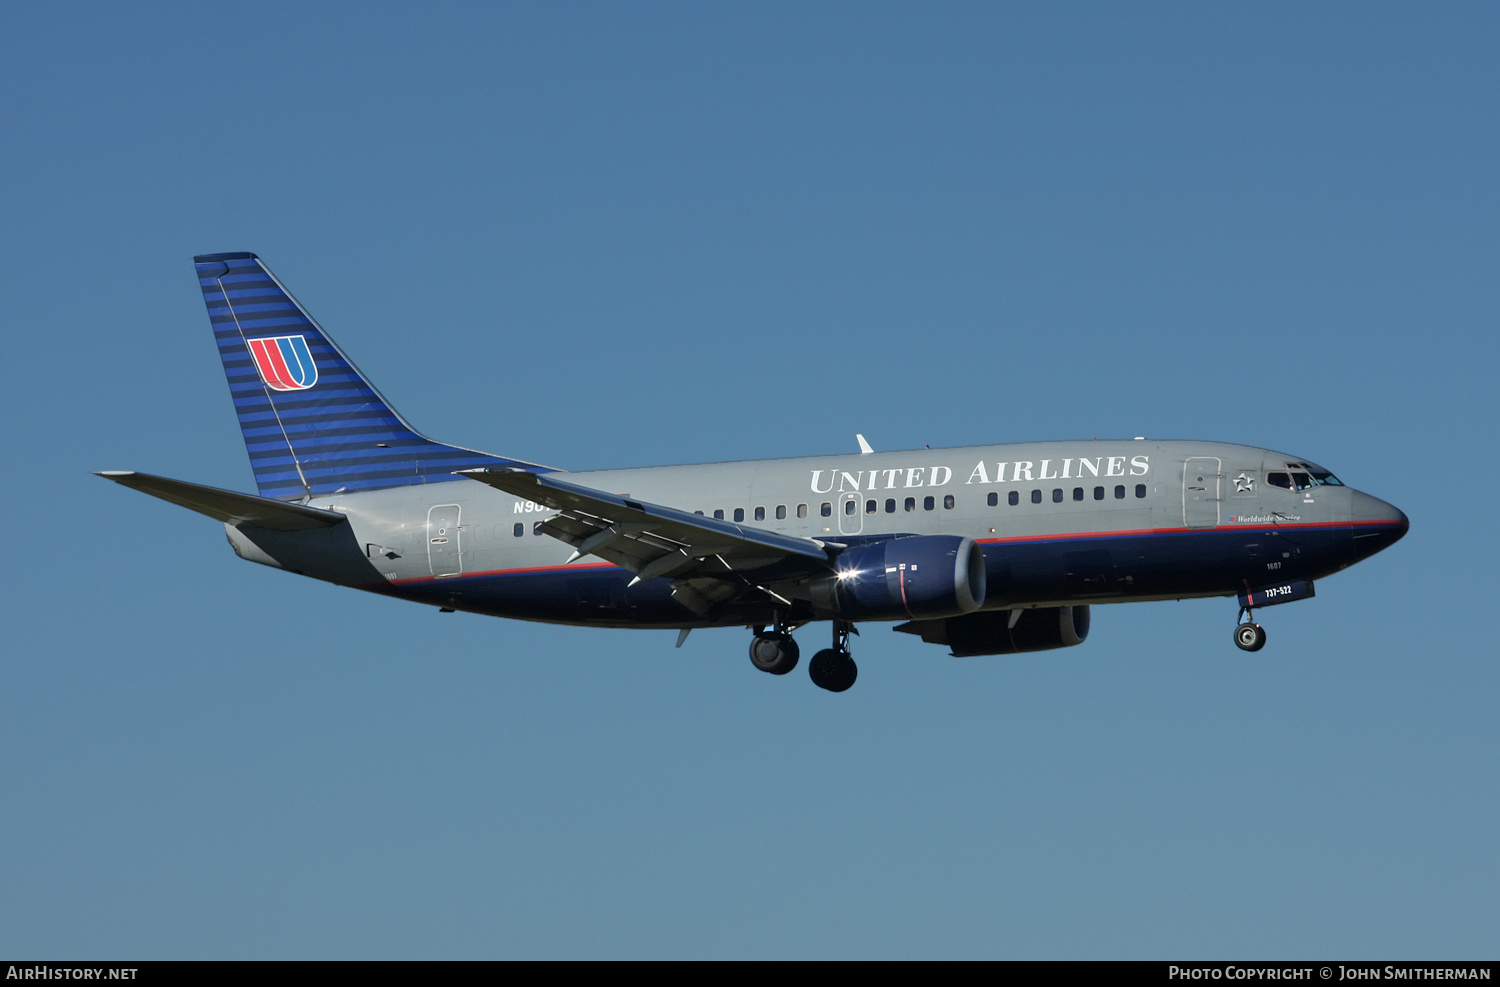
(1202, 481)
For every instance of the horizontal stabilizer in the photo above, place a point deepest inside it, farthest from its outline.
(227, 505)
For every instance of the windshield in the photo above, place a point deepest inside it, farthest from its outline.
(1302, 476)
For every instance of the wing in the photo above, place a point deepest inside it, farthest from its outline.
(708, 560)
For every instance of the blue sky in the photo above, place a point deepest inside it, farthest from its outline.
(611, 235)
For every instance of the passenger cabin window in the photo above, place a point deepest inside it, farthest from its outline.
(1036, 496)
(890, 505)
(699, 513)
(928, 503)
(739, 514)
(827, 509)
(802, 510)
(760, 514)
(870, 506)
(781, 512)
(1077, 493)
(1015, 497)
(994, 498)
(1140, 490)
(948, 503)
(1057, 495)
(718, 515)
(849, 507)
(1098, 493)
(536, 529)
(1120, 492)
(910, 505)
(519, 530)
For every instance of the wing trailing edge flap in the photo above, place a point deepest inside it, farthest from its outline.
(704, 557)
(227, 505)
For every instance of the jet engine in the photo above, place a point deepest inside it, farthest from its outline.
(1006, 632)
(924, 576)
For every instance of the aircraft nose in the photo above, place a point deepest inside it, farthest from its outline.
(1376, 524)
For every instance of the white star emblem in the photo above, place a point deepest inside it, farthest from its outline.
(1244, 484)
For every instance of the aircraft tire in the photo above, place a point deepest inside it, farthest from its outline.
(774, 653)
(1249, 637)
(832, 670)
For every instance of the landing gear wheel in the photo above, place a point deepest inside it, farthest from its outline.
(832, 670)
(776, 653)
(1249, 637)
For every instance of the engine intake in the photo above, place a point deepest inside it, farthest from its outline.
(921, 577)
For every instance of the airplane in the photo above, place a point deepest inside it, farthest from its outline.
(988, 550)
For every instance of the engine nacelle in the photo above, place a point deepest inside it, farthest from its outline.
(991, 633)
(921, 577)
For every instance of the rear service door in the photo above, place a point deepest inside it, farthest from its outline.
(444, 554)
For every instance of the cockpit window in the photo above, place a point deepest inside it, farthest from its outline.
(1319, 475)
(1291, 481)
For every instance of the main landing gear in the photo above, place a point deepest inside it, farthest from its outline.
(832, 668)
(775, 652)
(1248, 636)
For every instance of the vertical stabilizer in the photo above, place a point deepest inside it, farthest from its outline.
(313, 425)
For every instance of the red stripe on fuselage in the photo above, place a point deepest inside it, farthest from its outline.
(587, 566)
(1146, 532)
(1016, 539)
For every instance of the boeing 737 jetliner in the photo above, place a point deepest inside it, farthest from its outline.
(987, 550)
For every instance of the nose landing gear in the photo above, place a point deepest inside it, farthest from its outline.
(1248, 636)
(832, 668)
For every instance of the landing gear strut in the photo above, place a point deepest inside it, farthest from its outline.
(1248, 636)
(774, 652)
(832, 668)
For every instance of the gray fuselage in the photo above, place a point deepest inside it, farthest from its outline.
(1059, 522)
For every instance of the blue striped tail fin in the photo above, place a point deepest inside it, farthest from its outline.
(313, 425)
